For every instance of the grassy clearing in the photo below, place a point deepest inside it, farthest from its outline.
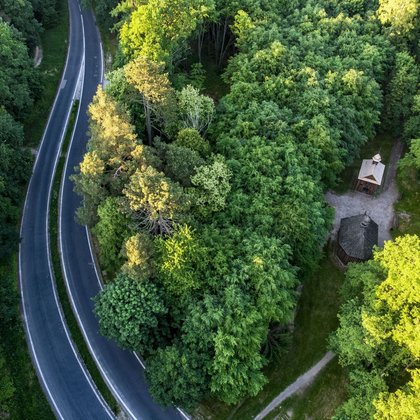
(54, 46)
(320, 400)
(316, 318)
(61, 287)
(382, 143)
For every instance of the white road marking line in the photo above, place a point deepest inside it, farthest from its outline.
(29, 335)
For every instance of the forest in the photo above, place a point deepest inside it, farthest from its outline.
(209, 212)
(21, 24)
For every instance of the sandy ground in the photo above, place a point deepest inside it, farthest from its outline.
(379, 208)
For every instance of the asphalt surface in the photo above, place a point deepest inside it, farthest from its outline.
(66, 383)
(120, 368)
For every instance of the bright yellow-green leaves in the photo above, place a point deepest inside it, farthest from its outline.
(379, 334)
(112, 135)
(138, 249)
(154, 199)
(400, 14)
(402, 404)
(92, 165)
(148, 77)
(156, 29)
(397, 305)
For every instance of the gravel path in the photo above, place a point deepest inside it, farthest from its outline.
(300, 384)
(380, 208)
(38, 56)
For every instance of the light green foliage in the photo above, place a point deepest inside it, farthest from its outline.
(401, 15)
(110, 231)
(129, 312)
(112, 135)
(396, 308)
(241, 27)
(153, 199)
(412, 159)
(181, 257)
(139, 252)
(191, 138)
(153, 84)
(212, 182)
(378, 337)
(236, 367)
(196, 110)
(157, 29)
(402, 404)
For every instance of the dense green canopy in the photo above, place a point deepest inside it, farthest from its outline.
(224, 209)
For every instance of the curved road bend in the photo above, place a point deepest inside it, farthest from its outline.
(63, 377)
(120, 368)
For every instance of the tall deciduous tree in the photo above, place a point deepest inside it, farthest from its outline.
(153, 200)
(401, 15)
(196, 110)
(157, 29)
(379, 331)
(153, 85)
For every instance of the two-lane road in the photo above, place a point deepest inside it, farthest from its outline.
(69, 388)
(120, 369)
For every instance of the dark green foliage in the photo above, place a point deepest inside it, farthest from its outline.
(16, 73)
(12, 156)
(20, 15)
(111, 231)
(401, 95)
(129, 312)
(176, 377)
(46, 11)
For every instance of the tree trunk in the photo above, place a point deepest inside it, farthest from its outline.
(147, 113)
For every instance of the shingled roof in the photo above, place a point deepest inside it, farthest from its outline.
(372, 170)
(357, 236)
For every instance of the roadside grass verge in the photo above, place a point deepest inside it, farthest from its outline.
(316, 318)
(27, 400)
(54, 45)
(381, 143)
(70, 319)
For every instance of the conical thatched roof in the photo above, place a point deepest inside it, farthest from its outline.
(357, 236)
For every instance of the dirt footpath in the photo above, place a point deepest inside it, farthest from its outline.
(380, 208)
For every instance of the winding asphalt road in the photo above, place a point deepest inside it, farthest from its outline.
(121, 369)
(69, 388)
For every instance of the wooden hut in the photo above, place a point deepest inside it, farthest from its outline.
(370, 175)
(356, 238)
